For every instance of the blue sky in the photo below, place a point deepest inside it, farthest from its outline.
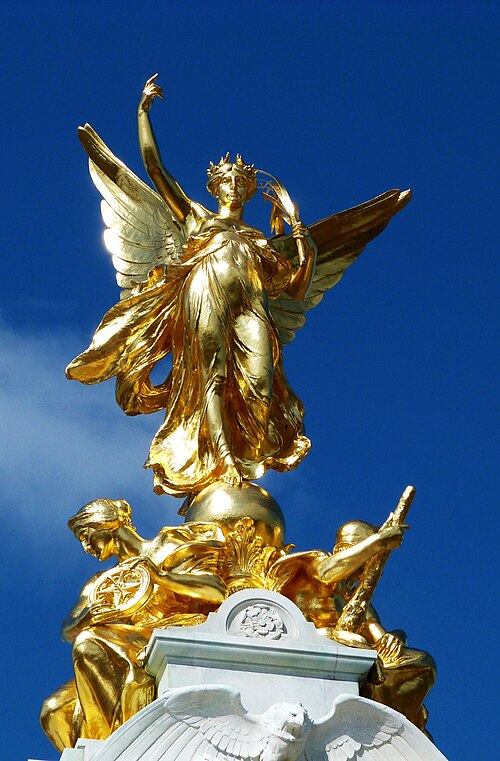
(342, 101)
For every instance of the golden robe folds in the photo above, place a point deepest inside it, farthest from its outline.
(211, 313)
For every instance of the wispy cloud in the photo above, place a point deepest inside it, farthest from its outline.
(63, 444)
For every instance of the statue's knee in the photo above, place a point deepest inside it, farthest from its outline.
(49, 707)
(81, 641)
(56, 715)
(85, 646)
(432, 669)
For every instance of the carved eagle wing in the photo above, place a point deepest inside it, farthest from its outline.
(205, 723)
(209, 723)
(358, 728)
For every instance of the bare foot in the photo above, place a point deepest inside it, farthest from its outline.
(231, 475)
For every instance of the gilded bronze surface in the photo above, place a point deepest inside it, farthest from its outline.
(354, 611)
(171, 580)
(234, 539)
(222, 299)
(334, 591)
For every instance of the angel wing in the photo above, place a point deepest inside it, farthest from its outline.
(141, 231)
(339, 239)
(204, 723)
(358, 728)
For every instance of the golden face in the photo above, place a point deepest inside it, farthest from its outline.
(97, 542)
(232, 191)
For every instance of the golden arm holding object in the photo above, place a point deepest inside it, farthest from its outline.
(354, 613)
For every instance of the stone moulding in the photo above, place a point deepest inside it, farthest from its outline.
(220, 643)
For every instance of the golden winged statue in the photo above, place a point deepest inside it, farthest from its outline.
(222, 299)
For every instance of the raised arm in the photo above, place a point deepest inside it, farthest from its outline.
(343, 564)
(166, 185)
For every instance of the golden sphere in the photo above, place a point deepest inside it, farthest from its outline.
(225, 505)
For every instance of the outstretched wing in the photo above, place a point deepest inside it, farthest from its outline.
(358, 728)
(206, 723)
(141, 230)
(340, 239)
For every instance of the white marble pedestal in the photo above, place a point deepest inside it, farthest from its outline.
(259, 643)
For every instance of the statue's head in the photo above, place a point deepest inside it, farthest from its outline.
(353, 532)
(233, 184)
(289, 720)
(96, 523)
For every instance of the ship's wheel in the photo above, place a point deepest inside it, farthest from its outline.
(123, 588)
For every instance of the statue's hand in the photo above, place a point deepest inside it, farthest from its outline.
(133, 562)
(305, 252)
(100, 612)
(299, 231)
(392, 536)
(389, 647)
(150, 92)
(143, 560)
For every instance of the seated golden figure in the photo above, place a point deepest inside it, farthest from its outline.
(323, 584)
(153, 585)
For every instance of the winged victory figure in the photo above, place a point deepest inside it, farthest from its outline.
(222, 299)
(209, 723)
